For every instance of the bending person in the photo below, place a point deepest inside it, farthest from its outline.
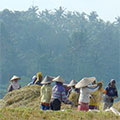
(58, 95)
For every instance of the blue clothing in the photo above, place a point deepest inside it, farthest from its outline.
(38, 83)
(58, 92)
(111, 91)
(44, 107)
(59, 87)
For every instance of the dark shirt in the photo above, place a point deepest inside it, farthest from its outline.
(111, 91)
(38, 83)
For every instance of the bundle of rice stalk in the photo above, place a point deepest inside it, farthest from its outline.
(2, 103)
(26, 96)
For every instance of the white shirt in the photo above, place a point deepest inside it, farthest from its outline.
(85, 93)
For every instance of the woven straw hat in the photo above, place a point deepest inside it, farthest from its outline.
(85, 82)
(58, 79)
(15, 78)
(72, 83)
(47, 79)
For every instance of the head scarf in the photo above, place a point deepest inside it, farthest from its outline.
(111, 81)
(38, 75)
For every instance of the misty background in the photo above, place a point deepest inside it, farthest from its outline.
(59, 38)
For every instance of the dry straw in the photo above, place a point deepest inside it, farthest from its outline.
(28, 96)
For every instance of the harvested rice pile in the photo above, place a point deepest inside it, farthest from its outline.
(28, 96)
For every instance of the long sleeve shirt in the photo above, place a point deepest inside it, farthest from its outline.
(111, 91)
(45, 93)
(58, 92)
(85, 93)
(13, 86)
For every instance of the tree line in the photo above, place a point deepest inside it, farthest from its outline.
(58, 42)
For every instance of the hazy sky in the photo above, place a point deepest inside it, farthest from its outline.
(106, 9)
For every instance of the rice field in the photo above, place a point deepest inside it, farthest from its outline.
(24, 104)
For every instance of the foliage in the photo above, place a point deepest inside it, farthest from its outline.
(59, 42)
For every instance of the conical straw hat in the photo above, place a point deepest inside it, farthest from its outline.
(47, 79)
(85, 82)
(72, 83)
(58, 79)
(15, 78)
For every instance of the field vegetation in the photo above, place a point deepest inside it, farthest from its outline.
(24, 104)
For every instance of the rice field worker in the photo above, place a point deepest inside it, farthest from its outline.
(66, 88)
(45, 93)
(39, 79)
(73, 93)
(85, 91)
(111, 93)
(58, 95)
(14, 83)
(96, 97)
(34, 78)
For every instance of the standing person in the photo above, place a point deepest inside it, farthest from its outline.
(39, 79)
(58, 95)
(85, 92)
(46, 92)
(110, 94)
(96, 97)
(73, 93)
(14, 83)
